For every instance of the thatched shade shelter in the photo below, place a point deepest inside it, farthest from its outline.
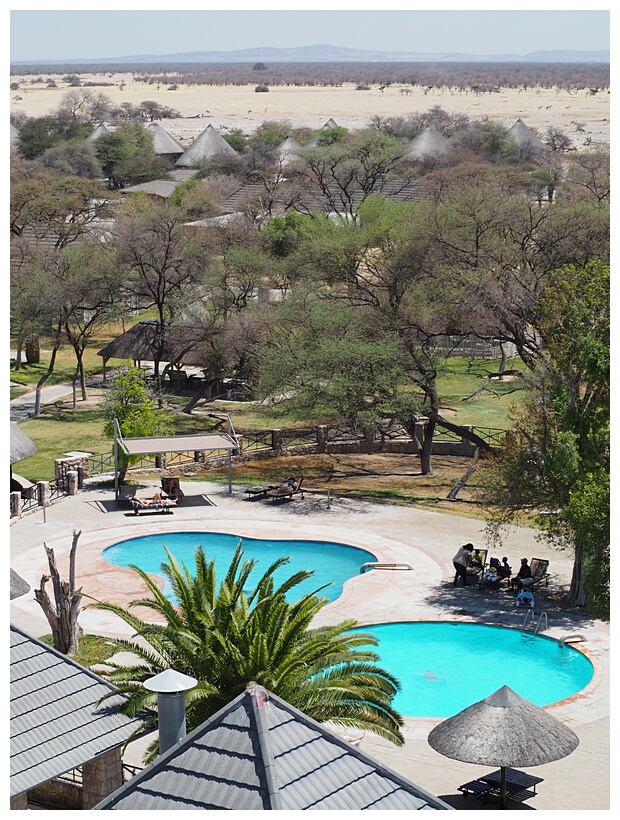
(503, 730)
(164, 144)
(22, 446)
(146, 342)
(19, 587)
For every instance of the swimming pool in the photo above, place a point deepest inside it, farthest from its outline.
(332, 563)
(445, 667)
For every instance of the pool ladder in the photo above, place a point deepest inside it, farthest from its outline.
(525, 633)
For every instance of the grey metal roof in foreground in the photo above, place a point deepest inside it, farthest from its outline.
(260, 753)
(56, 724)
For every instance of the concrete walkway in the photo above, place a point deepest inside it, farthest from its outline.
(23, 406)
(424, 539)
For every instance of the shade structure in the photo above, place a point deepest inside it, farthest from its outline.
(503, 730)
(22, 446)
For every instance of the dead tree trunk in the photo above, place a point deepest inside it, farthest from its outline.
(63, 613)
(465, 477)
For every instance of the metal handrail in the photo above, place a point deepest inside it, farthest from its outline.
(375, 565)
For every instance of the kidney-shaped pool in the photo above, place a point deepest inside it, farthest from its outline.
(330, 562)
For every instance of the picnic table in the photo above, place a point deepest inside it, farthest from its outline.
(519, 785)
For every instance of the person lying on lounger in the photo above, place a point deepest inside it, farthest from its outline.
(288, 486)
(149, 502)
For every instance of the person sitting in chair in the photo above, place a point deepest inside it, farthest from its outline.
(504, 571)
(523, 578)
(288, 486)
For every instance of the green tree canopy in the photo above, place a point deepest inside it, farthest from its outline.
(556, 461)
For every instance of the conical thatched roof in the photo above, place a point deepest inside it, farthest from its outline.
(524, 137)
(163, 142)
(504, 729)
(428, 143)
(22, 446)
(98, 131)
(19, 587)
(186, 344)
(288, 151)
(206, 145)
(14, 138)
(331, 123)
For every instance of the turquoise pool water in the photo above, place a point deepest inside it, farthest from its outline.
(331, 563)
(445, 667)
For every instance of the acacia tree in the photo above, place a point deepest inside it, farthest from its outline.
(556, 461)
(162, 260)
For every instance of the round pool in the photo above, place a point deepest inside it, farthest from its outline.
(445, 667)
(331, 563)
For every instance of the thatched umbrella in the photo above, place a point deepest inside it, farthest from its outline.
(19, 587)
(22, 446)
(503, 730)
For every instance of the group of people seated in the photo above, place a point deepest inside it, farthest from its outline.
(469, 560)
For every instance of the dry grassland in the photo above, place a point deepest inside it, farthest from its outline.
(582, 115)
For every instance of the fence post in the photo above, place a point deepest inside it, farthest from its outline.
(43, 493)
(16, 504)
(321, 438)
(276, 440)
(72, 482)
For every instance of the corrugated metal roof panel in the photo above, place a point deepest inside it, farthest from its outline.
(312, 768)
(56, 724)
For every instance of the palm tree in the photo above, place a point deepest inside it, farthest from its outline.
(230, 637)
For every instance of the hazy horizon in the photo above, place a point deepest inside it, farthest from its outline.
(53, 35)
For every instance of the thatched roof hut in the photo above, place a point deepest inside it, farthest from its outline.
(98, 131)
(428, 143)
(207, 145)
(181, 344)
(14, 138)
(22, 446)
(525, 138)
(288, 150)
(164, 144)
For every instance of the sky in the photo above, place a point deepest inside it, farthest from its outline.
(72, 33)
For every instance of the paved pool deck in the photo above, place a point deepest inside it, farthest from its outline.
(424, 539)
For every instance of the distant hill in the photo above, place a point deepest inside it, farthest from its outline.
(335, 54)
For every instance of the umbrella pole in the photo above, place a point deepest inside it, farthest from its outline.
(502, 788)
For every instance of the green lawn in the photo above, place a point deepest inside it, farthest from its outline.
(60, 430)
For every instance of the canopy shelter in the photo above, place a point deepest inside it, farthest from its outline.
(505, 730)
(174, 444)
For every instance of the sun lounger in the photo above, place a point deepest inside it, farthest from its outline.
(259, 491)
(159, 506)
(275, 494)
